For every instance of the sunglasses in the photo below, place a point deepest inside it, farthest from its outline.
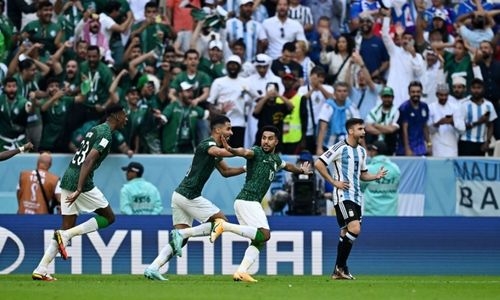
(282, 32)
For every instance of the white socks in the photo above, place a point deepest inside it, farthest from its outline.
(48, 256)
(163, 257)
(86, 227)
(243, 230)
(251, 255)
(200, 230)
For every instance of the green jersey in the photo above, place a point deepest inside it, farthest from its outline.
(135, 120)
(201, 168)
(180, 131)
(54, 120)
(13, 116)
(98, 138)
(260, 173)
(199, 81)
(44, 34)
(97, 83)
(214, 70)
(149, 37)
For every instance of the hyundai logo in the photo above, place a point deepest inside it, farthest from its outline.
(5, 236)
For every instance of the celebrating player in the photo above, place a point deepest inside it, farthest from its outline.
(78, 192)
(262, 165)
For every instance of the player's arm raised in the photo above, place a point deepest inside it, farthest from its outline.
(243, 152)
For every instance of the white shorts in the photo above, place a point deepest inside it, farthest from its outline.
(185, 210)
(250, 213)
(86, 202)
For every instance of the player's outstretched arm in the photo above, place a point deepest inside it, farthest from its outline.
(304, 168)
(228, 171)
(243, 152)
(9, 153)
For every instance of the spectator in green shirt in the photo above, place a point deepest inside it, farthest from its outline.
(179, 132)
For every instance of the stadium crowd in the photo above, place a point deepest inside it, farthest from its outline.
(423, 74)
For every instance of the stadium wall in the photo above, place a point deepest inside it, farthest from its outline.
(298, 246)
(429, 186)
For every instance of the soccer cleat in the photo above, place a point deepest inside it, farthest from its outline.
(217, 229)
(177, 240)
(42, 277)
(58, 236)
(241, 276)
(342, 273)
(154, 275)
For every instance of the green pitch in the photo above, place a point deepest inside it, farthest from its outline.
(199, 287)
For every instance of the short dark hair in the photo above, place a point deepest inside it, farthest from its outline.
(52, 80)
(44, 4)
(111, 6)
(219, 120)
(9, 79)
(415, 83)
(240, 42)
(353, 121)
(272, 129)
(114, 108)
(289, 46)
(151, 4)
(319, 71)
(477, 81)
(94, 48)
(191, 51)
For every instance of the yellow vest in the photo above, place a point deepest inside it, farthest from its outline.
(292, 125)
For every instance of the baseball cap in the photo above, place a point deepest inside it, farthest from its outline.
(234, 58)
(262, 60)
(186, 85)
(378, 146)
(440, 14)
(457, 79)
(134, 167)
(215, 44)
(244, 2)
(387, 91)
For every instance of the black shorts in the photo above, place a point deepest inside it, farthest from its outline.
(346, 212)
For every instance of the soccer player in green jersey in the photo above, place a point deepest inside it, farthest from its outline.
(187, 202)
(262, 165)
(78, 192)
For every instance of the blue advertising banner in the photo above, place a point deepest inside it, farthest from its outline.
(298, 246)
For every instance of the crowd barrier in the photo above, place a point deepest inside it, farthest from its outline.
(298, 246)
(429, 186)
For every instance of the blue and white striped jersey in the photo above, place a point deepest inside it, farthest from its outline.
(302, 14)
(348, 163)
(472, 112)
(251, 32)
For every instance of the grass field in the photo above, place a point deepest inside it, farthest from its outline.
(199, 287)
